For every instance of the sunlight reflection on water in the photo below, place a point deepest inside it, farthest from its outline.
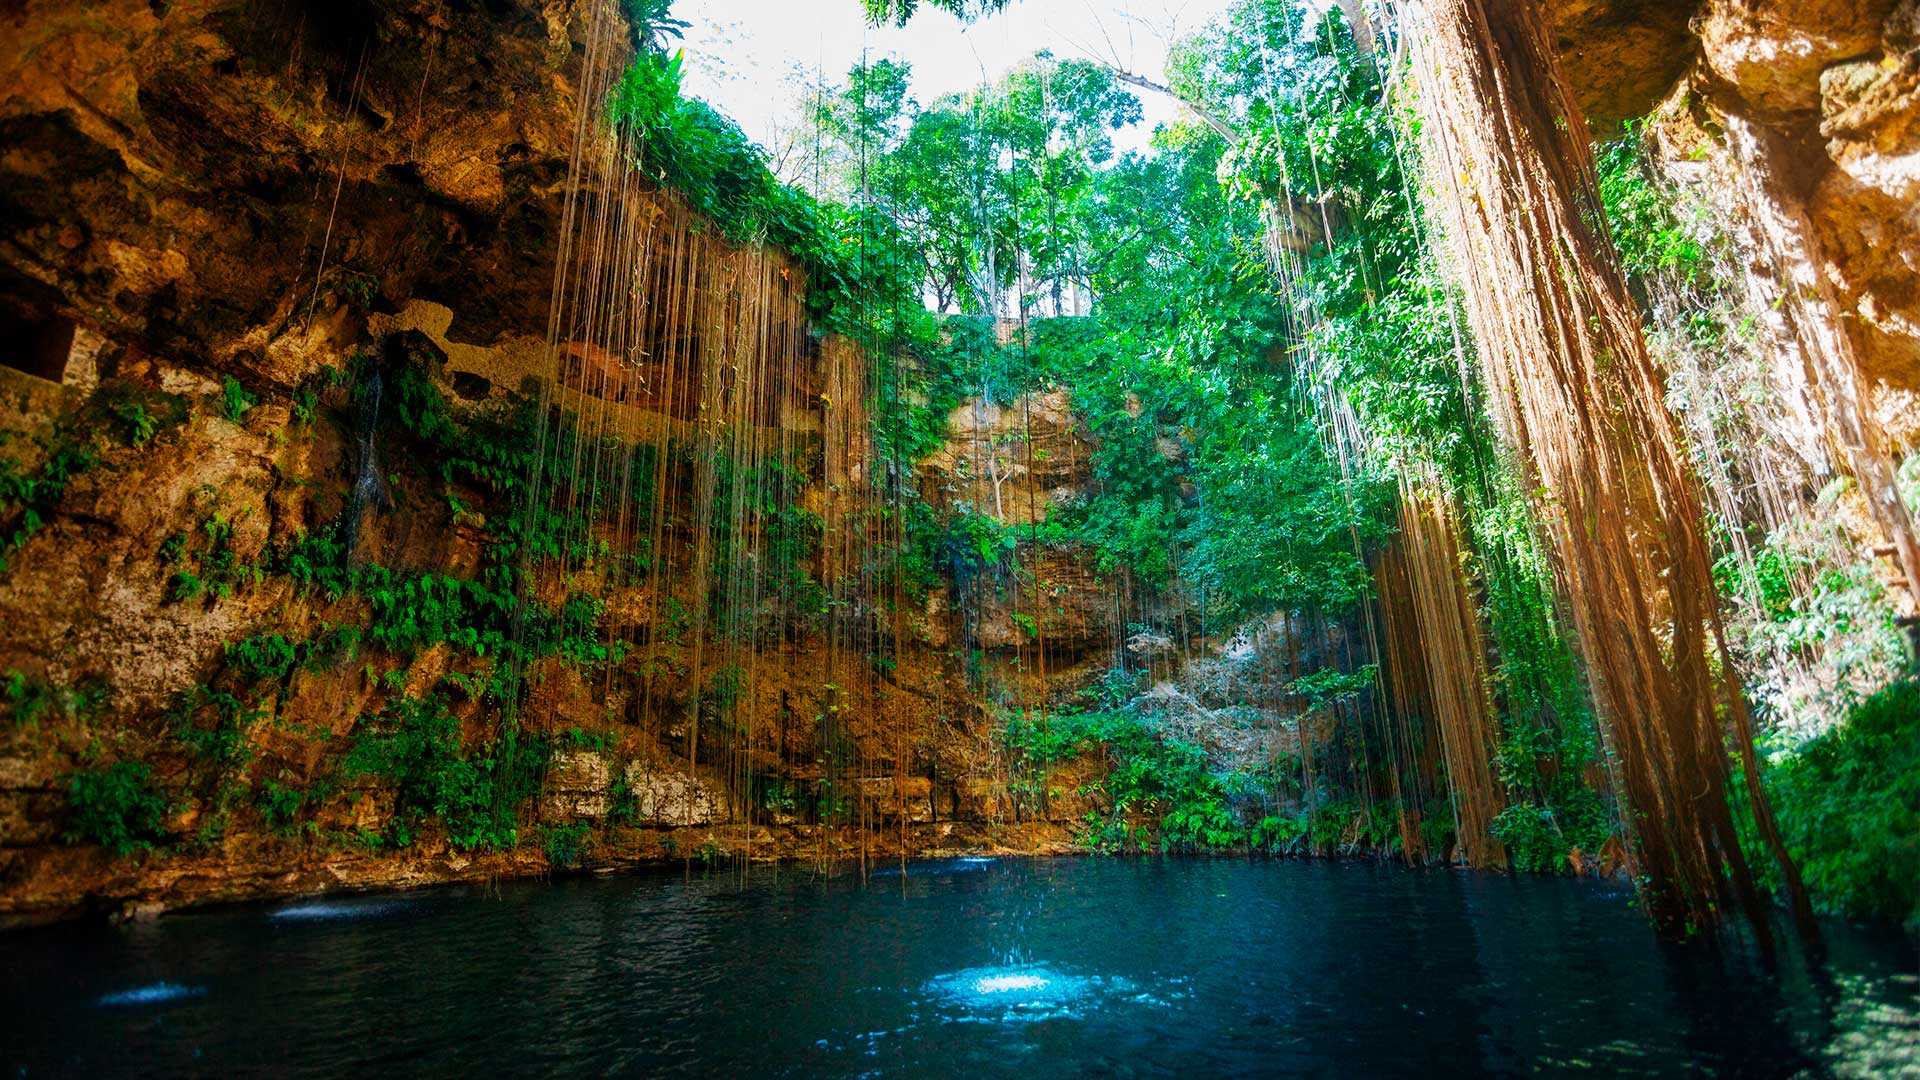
(1030, 992)
(336, 910)
(152, 994)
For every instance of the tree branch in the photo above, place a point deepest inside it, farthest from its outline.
(1207, 116)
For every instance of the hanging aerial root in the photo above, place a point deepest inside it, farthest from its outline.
(1448, 661)
(682, 420)
(1579, 400)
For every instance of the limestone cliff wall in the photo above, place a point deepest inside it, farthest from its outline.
(212, 208)
(1836, 84)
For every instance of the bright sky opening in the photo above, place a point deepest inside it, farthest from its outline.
(752, 58)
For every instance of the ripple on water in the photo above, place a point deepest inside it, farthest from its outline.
(1030, 992)
(965, 864)
(336, 910)
(152, 994)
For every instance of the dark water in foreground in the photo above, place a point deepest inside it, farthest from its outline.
(1063, 968)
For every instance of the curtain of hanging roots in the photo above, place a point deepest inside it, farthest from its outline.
(1411, 737)
(1577, 396)
(681, 399)
(1451, 656)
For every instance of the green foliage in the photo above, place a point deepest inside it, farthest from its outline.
(410, 610)
(623, 803)
(27, 500)
(28, 699)
(653, 24)
(1163, 779)
(787, 541)
(138, 424)
(262, 657)
(235, 400)
(209, 566)
(306, 397)
(975, 544)
(117, 807)
(1330, 687)
(137, 413)
(316, 560)
(1540, 837)
(416, 746)
(281, 804)
(862, 270)
(1848, 805)
(1640, 213)
(579, 739)
(212, 724)
(564, 845)
(331, 648)
(133, 412)
(1161, 793)
(1840, 612)
(899, 11)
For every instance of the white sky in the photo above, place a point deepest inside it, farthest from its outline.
(742, 55)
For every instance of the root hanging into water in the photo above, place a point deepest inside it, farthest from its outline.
(1439, 660)
(1578, 398)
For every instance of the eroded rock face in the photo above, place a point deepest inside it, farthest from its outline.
(668, 796)
(579, 787)
(208, 190)
(1013, 462)
(1017, 463)
(1622, 56)
(1838, 83)
(1776, 52)
(1866, 201)
(219, 178)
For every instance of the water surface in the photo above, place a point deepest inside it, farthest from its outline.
(1067, 967)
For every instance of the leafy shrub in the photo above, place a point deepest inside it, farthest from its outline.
(564, 844)
(416, 746)
(1167, 779)
(652, 24)
(27, 699)
(138, 424)
(235, 401)
(216, 569)
(280, 804)
(1647, 231)
(338, 645)
(1848, 803)
(262, 656)
(138, 412)
(317, 560)
(579, 738)
(27, 500)
(212, 724)
(1540, 837)
(117, 807)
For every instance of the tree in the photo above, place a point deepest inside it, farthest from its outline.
(899, 12)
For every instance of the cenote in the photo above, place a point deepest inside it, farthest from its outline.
(1049, 967)
(960, 537)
